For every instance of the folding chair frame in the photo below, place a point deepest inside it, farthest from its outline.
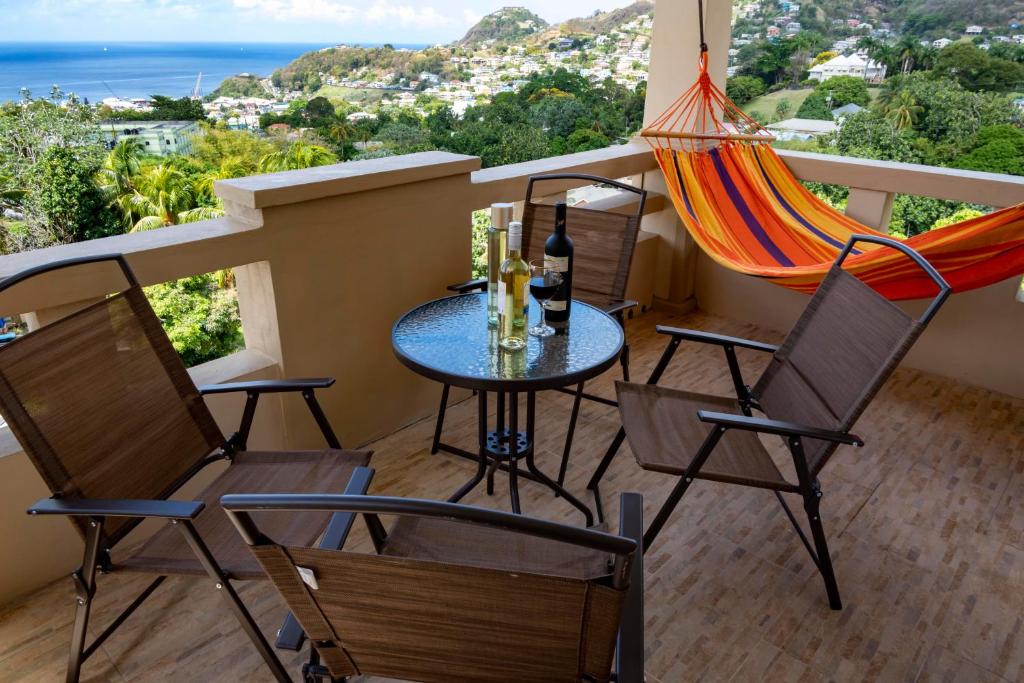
(808, 486)
(179, 514)
(629, 659)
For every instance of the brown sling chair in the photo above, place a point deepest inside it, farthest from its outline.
(603, 245)
(107, 413)
(458, 594)
(841, 351)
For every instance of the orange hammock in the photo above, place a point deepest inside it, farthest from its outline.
(749, 213)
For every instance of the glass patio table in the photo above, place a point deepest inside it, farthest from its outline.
(448, 340)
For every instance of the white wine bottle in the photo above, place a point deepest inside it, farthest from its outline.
(513, 285)
(497, 234)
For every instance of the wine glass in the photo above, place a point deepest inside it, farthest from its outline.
(543, 285)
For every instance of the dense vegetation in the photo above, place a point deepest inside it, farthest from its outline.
(58, 184)
(363, 63)
(242, 85)
(164, 109)
(554, 113)
(920, 19)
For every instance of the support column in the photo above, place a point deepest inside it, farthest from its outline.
(675, 49)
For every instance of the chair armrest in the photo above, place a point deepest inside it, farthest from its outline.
(469, 286)
(779, 427)
(268, 386)
(94, 507)
(257, 388)
(621, 306)
(629, 665)
(716, 339)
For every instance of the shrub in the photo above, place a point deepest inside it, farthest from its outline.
(200, 317)
(743, 89)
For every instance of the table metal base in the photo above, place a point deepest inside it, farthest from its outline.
(497, 451)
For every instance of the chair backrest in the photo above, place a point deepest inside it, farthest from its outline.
(841, 351)
(427, 620)
(603, 241)
(101, 402)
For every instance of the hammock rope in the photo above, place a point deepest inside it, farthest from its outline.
(748, 212)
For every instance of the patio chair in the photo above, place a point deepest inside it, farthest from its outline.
(603, 243)
(458, 594)
(107, 413)
(815, 387)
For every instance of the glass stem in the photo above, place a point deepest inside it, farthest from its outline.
(543, 315)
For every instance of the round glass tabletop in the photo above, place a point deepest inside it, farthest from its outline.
(449, 340)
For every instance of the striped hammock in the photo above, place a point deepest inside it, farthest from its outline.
(748, 212)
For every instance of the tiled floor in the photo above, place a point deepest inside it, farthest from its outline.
(926, 525)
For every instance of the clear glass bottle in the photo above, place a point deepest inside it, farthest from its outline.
(513, 285)
(497, 237)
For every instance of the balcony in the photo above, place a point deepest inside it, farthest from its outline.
(926, 522)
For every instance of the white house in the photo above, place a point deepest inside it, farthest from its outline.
(941, 43)
(974, 30)
(802, 129)
(853, 65)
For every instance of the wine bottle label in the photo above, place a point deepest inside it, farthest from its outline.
(554, 305)
(501, 297)
(558, 264)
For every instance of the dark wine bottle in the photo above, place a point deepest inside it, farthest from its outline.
(558, 257)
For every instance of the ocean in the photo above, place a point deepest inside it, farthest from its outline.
(99, 70)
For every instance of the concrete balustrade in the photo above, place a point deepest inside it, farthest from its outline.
(326, 259)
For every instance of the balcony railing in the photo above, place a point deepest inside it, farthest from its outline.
(326, 259)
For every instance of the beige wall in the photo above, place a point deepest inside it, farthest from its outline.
(975, 338)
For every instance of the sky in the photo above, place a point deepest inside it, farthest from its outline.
(312, 21)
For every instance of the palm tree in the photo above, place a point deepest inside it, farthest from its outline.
(904, 111)
(230, 167)
(908, 51)
(122, 165)
(890, 91)
(299, 154)
(164, 196)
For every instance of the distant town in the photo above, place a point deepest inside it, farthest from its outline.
(622, 55)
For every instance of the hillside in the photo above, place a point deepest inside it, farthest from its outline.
(242, 85)
(605, 22)
(507, 25)
(360, 62)
(983, 12)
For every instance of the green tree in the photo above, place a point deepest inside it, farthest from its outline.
(998, 149)
(298, 155)
(216, 147)
(845, 90)
(975, 69)
(402, 138)
(904, 111)
(164, 195)
(743, 89)
(815, 106)
(585, 139)
(115, 177)
(67, 196)
(783, 108)
(201, 318)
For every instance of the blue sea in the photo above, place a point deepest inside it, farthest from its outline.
(99, 70)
